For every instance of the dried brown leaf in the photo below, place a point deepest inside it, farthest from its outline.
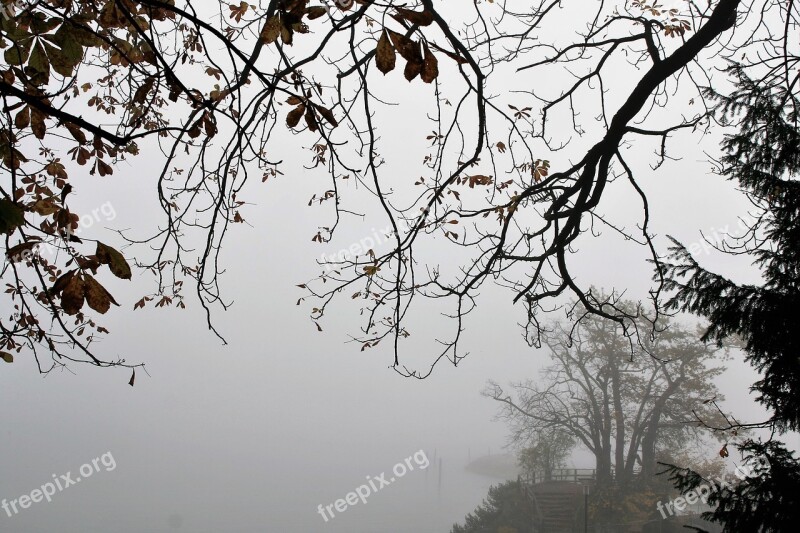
(430, 67)
(96, 295)
(385, 55)
(420, 18)
(72, 296)
(294, 116)
(327, 114)
(271, 30)
(115, 261)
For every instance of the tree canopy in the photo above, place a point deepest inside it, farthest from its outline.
(222, 94)
(624, 411)
(628, 413)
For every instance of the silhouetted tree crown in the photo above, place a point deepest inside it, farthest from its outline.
(763, 157)
(507, 132)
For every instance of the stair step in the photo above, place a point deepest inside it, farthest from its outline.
(558, 503)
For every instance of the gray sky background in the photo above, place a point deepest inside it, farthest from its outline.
(252, 436)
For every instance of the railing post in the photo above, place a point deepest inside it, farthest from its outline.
(585, 508)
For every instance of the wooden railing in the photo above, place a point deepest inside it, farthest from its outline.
(576, 475)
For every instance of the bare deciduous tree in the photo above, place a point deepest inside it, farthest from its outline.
(219, 92)
(626, 411)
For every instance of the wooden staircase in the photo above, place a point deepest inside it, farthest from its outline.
(557, 506)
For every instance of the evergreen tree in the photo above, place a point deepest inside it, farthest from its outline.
(763, 157)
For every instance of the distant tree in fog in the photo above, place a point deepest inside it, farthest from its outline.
(629, 412)
(546, 451)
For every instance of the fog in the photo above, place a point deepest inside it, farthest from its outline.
(256, 434)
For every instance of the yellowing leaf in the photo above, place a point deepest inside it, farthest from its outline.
(286, 35)
(44, 207)
(371, 270)
(39, 62)
(69, 53)
(271, 30)
(115, 261)
(96, 295)
(18, 54)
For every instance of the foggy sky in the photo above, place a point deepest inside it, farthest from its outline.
(254, 435)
